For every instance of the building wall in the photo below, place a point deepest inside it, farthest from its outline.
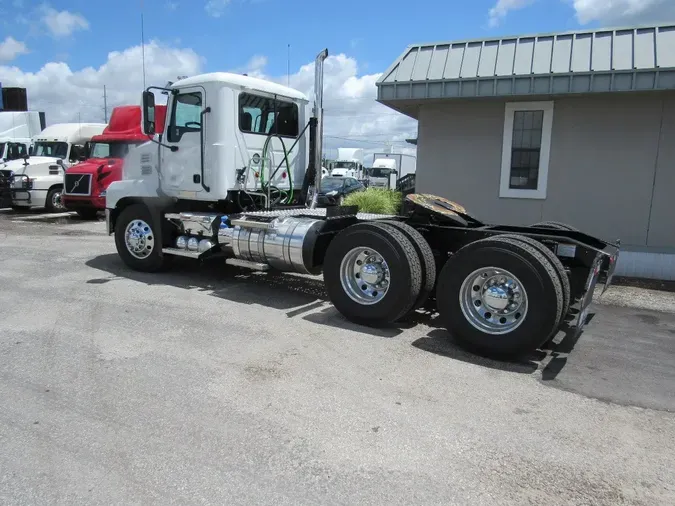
(611, 170)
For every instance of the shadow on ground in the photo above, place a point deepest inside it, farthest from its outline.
(298, 296)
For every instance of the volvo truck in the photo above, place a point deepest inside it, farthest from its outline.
(85, 184)
(229, 182)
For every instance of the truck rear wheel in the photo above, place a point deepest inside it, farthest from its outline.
(138, 239)
(426, 257)
(373, 274)
(557, 265)
(499, 297)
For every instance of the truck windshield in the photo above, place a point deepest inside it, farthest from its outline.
(112, 149)
(345, 165)
(2, 150)
(54, 149)
(379, 172)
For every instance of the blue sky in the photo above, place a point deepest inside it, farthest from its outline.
(374, 32)
(65, 51)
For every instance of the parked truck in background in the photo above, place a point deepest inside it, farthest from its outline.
(37, 180)
(198, 193)
(349, 163)
(17, 128)
(387, 168)
(85, 184)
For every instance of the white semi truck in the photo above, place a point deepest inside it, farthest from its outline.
(202, 192)
(37, 180)
(349, 163)
(388, 168)
(17, 129)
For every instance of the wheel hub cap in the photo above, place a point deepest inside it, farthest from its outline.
(139, 239)
(364, 275)
(493, 300)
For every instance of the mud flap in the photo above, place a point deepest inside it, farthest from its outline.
(613, 260)
(586, 300)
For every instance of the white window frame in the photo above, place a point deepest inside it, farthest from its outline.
(544, 153)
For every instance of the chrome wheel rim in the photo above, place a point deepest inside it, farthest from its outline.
(57, 202)
(365, 276)
(139, 239)
(493, 300)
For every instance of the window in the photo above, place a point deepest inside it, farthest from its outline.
(52, 149)
(15, 150)
(185, 115)
(262, 115)
(526, 149)
(111, 149)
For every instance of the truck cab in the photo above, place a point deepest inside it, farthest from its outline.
(85, 184)
(228, 139)
(37, 179)
(383, 173)
(17, 128)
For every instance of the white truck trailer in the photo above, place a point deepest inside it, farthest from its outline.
(201, 192)
(17, 129)
(37, 181)
(388, 168)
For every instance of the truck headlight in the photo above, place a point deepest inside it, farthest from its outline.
(102, 194)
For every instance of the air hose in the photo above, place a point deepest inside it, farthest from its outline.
(289, 195)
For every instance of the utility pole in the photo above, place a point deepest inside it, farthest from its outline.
(288, 67)
(105, 104)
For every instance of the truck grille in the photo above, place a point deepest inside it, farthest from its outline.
(78, 184)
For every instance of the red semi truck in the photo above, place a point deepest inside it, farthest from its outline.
(85, 184)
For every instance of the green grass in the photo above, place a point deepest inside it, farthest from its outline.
(375, 200)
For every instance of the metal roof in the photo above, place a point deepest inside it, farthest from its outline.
(599, 61)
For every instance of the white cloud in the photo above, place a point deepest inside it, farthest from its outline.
(10, 48)
(62, 23)
(216, 8)
(352, 117)
(624, 11)
(503, 7)
(603, 11)
(68, 95)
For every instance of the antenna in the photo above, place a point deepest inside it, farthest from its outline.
(143, 44)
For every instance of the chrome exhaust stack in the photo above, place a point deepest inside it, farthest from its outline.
(318, 114)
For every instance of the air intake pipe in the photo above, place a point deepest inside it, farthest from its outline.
(318, 114)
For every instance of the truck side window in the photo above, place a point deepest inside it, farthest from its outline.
(185, 115)
(263, 115)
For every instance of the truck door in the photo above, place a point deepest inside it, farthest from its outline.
(182, 169)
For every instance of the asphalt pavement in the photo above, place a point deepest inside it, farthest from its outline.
(214, 385)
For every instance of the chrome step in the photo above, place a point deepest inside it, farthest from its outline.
(256, 266)
(181, 252)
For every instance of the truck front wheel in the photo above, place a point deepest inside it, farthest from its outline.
(138, 239)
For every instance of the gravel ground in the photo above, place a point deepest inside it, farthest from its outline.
(213, 385)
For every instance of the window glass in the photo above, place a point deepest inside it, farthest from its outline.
(53, 149)
(186, 115)
(15, 150)
(114, 149)
(525, 149)
(262, 115)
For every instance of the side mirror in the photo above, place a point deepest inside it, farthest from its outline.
(148, 113)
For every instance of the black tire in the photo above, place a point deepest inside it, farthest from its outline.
(557, 265)
(52, 203)
(555, 225)
(87, 214)
(402, 260)
(155, 261)
(537, 277)
(426, 257)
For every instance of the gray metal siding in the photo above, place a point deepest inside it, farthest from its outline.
(662, 223)
(601, 171)
(575, 62)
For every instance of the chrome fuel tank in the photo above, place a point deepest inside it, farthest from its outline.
(286, 243)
